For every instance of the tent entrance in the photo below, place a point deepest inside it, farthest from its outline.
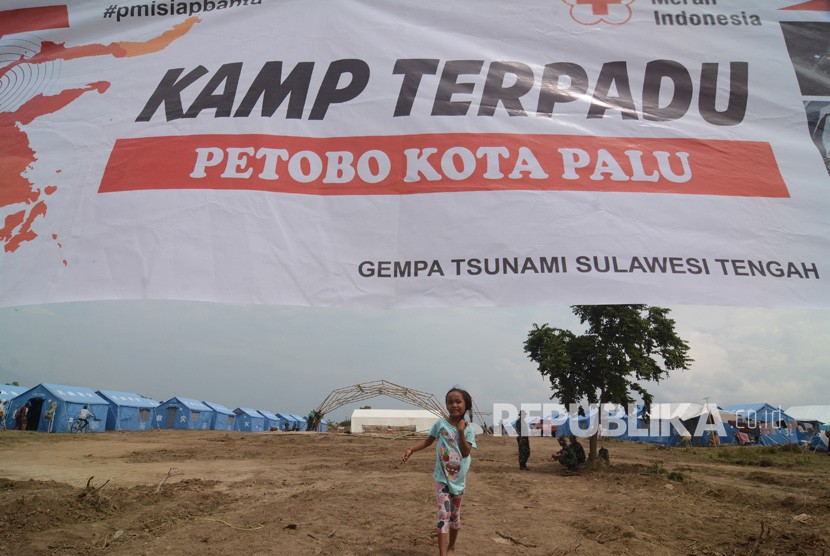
(171, 417)
(33, 417)
(144, 415)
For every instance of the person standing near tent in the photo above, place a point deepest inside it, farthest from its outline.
(21, 417)
(456, 440)
(3, 414)
(313, 421)
(523, 441)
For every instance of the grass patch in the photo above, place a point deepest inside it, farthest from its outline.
(762, 456)
(676, 476)
(656, 468)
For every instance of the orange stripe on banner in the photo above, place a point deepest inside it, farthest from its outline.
(33, 19)
(811, 5)
(417, 164)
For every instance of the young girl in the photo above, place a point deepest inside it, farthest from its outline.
(456, 439)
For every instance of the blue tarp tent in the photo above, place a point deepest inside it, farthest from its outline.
(223, 418)
(301, 422)
(129, 411)
(819, 441)
(7, 392)
(765, 424)
(183, 413)
(287, 422)
(248, 420)
(67, 401)
(807, 413)
(659, 427)
(809, 418)
(271, 420)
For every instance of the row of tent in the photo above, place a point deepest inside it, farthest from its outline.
(54, 407)
(704, 425)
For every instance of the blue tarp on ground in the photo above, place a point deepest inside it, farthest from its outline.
(183, 414)
(129, 411)
(222, 419)
(248, 420)
(68, 402)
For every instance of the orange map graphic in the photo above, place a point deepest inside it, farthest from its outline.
(18, 155)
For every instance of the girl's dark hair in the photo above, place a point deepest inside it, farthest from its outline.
(468, 400)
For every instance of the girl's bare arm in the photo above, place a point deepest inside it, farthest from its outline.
(415, 447)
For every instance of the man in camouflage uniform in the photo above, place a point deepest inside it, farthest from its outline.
(523, 441)
(567, 456)
(579, 451)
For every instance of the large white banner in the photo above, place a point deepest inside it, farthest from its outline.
(390, 153)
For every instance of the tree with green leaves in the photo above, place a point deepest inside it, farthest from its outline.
(623, 347)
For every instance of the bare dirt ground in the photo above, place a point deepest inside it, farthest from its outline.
(185, 492)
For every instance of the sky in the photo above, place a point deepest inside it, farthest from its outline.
(290, 358)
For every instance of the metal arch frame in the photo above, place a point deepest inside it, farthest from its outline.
(365, 390)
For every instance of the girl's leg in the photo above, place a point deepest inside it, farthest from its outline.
(455, 521)
(442, 496)
(442, 544)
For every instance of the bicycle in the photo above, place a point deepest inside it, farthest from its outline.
(79, 426)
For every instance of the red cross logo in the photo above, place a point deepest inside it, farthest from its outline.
(598, 7)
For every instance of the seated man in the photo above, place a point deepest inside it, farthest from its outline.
(567, 456)
(579, 451)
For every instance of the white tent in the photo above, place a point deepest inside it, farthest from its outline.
(686, 411)
(398, 419)
(820, 413)
(395, 419)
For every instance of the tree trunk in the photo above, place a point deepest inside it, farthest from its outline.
(593, 442)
